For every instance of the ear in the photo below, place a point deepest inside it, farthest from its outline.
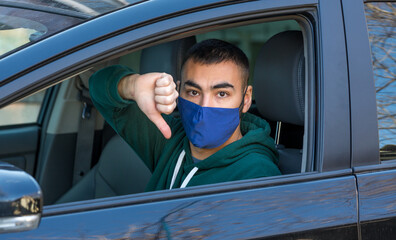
(247, 101)
(178, 86)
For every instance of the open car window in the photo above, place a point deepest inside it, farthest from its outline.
(115, 162)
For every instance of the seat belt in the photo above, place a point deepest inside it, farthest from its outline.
(85, 134)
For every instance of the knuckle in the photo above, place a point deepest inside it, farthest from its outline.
(170, 108)
(159, 108)
(161, 82)
(159, 99)
(168, 91)
(158, 82)
(170, 78)
(170, 100)
(167, 109)
(167, 100)
(162, 108)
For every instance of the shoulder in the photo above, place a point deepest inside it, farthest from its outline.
(251, 122)
(257, 164)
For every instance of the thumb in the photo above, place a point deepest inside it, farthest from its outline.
(161, 124)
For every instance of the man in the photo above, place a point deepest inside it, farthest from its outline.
(215, 140)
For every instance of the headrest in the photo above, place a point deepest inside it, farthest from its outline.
(166, 57)
(279, 78)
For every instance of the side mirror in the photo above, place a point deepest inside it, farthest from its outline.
(21, 200)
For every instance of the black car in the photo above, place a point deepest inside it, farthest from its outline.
(323, 74)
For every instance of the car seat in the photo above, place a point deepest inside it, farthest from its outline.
(167, 57)
(117, 173)
(279, 87)
(119, 170)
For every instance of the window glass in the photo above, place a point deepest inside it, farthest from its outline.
(91, 7)
(19, 27)
(15, 32)
(381, 23)
(24, 111)
(27, 21)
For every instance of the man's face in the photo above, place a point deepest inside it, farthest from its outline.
(214, 85)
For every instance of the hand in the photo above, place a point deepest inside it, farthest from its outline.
(155, 93)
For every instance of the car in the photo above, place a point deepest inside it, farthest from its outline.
(323, 74)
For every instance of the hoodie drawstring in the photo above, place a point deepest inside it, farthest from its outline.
(177, 169)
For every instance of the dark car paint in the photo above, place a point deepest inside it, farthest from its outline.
(350, 204)
(363, 105)
(240, 214)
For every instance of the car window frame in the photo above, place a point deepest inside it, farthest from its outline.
(364, 123)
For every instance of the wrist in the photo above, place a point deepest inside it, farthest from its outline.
(126, 87)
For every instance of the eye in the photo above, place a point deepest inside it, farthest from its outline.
(222, 94)
(193, 93)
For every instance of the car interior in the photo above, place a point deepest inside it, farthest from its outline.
(72, 129)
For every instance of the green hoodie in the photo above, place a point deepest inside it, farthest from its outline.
(253, 156)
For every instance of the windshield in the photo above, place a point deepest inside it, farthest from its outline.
(26, 21)
(89, 7)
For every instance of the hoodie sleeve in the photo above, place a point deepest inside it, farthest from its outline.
(125, 116)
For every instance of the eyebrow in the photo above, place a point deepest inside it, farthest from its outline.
(220, 85)
(223, 85)
(192, 84)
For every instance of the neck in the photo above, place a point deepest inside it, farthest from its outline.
(203, 153)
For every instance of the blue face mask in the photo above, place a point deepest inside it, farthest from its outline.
(207, 127)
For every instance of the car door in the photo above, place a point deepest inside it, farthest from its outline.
(373, 110)
(320, 202)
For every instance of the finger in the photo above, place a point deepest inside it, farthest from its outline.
(165, 100)
(164, 81)
(167, 109)
(161, 124)
(165, 91)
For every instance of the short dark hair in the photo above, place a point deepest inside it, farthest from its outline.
(213, 51)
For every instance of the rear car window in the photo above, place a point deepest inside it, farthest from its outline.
(380, 17)
(24, 111)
